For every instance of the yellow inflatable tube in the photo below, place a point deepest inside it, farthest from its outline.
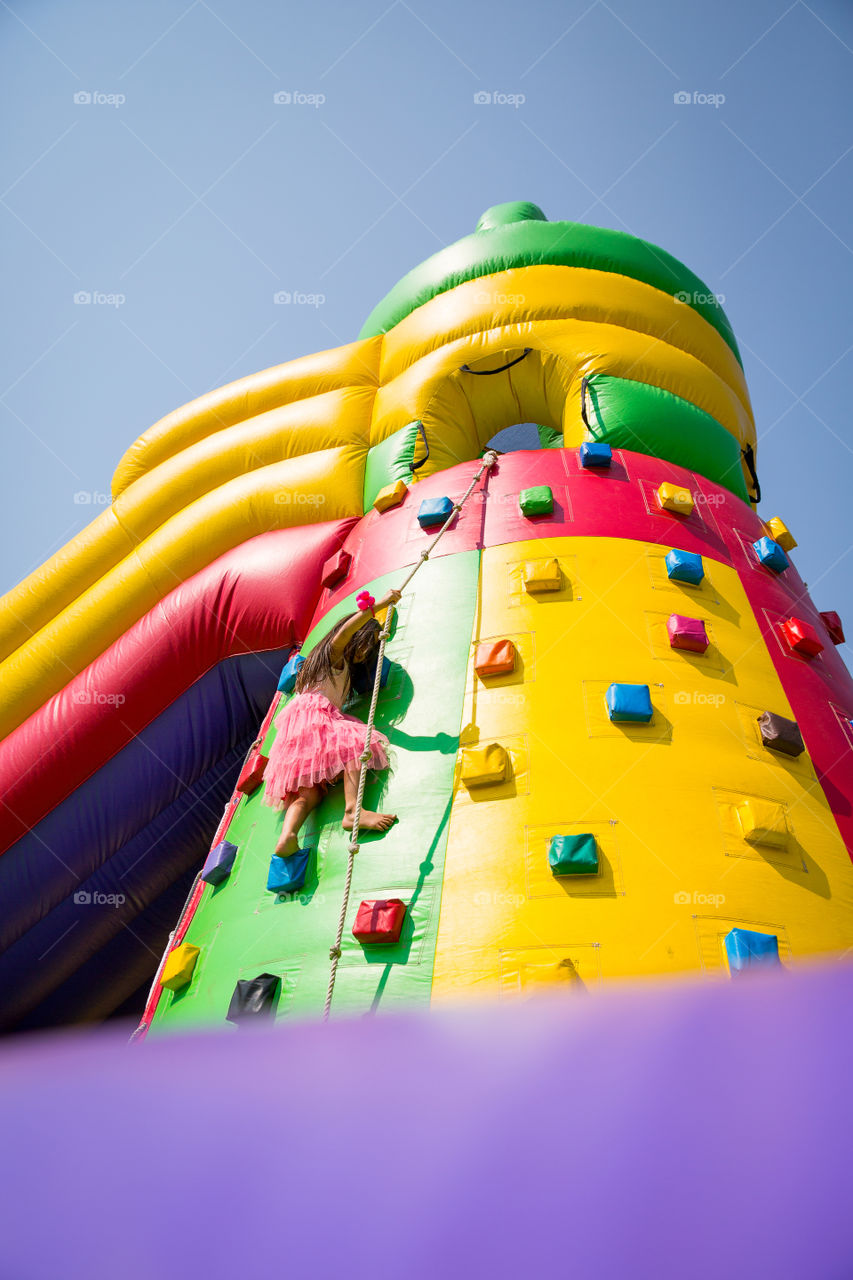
(579, 347)
(545, 293)
(329, 420)
(356, 364)
(326, 485)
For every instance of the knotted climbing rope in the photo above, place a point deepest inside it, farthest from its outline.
(489, 460)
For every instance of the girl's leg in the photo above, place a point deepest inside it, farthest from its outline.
(368, 820)
(307, 798)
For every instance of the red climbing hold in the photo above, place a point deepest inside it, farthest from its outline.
(252, 772)
(832, 622)
(380, 920)
(802, 637)
(336, 568)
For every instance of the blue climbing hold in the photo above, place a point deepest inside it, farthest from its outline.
(771, 555)
(629, 702)
(289, 672)
(434, 511)
(595, 454)
(747, 949)
(684, 566)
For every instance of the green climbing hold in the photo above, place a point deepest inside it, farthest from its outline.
(537, 501)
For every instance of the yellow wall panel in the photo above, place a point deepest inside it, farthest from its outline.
(675, 872)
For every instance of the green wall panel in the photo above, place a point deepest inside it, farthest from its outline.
(242, 930)
(389, 461)
(634, 415)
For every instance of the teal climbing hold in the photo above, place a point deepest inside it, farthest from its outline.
(575, 855)
(287, 875)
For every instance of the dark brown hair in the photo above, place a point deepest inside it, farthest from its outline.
(317, 667)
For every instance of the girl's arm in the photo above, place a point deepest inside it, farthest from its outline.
(346, 630)
(345, 633)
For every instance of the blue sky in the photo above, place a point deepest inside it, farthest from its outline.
(185, 189)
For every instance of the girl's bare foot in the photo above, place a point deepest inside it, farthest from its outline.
(287, 845)
(370, 821)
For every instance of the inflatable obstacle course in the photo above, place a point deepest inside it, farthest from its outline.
(605, 647)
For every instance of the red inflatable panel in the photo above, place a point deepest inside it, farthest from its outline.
(619, 501)
(820, 689)
(258, 596)
(383, 541)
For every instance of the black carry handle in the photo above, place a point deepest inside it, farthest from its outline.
(585, 419)
(415, 466)
(749, 459)
(484, 373)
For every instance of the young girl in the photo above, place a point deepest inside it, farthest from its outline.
(316, 742)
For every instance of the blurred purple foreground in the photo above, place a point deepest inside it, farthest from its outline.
(653, 1131)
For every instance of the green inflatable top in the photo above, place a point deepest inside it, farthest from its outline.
(517, 234)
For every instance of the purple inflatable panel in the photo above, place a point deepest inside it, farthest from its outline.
(652, 1131)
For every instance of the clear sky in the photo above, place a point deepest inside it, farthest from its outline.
(182, 191)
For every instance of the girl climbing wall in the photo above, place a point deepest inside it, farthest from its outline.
(317, 742)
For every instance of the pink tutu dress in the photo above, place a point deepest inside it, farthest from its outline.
(314, 743)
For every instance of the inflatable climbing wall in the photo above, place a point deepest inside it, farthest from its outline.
(621, 734)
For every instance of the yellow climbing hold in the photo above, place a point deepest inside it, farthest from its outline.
(779, 532)
(391, 496)
(485, 765)
(674, 497)
(542, 575)
(179, 966)
(763, 822)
